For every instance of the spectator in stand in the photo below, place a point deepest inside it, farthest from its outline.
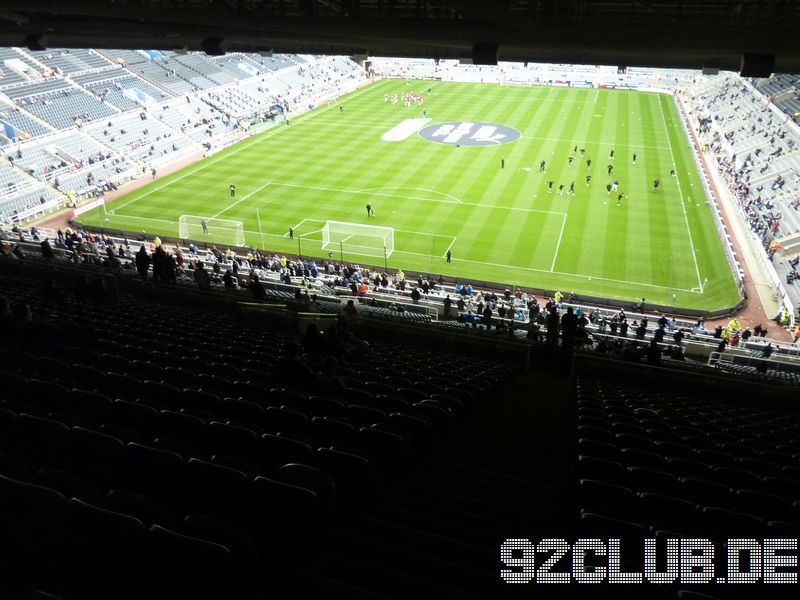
(569, 328)
(142, 262)
(201, 277)
(256, 289)
(47, 251)
(487, 317)
(227, 280)
(552, 323)
(654, 353)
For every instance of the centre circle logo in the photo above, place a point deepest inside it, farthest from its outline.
(464, 133)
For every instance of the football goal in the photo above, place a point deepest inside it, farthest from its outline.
(218, 231)
(367, 240)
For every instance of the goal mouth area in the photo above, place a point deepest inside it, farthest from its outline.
(209, 229)
(366, 240)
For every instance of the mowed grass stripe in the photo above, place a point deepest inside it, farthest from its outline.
(711, 260)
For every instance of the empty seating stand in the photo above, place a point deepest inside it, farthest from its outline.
(685, 463)
(119, 447)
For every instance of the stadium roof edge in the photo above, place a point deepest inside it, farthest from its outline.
(676, 34)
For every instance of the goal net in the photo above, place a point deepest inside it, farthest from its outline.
(219, 231)
(367, 240)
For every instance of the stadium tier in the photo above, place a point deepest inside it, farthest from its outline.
(68, 61)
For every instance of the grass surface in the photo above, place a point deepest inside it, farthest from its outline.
(501, 225)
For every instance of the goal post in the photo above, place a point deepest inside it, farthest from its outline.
(219, 231)
(367, 240)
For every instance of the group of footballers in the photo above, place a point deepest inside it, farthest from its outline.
(409, 98)
(612, 186)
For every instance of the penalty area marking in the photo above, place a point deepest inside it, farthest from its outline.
(450, 247)
(558, 245)
(377, 189)
(242, 199)
(300, 224)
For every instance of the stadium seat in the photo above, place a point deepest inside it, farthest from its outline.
(311, 478)
(158, 474)
(388, 448)
(105, 544)
(180, 566)
(766, 506)
(614, 500)
(33, 533)
(633, 457)
(42, 441)
(183, 427)
(717, 523)
(66, 483)
(649, 480)
(243, 550)
(278, 450)
(604, 526)
(281, 513)
(666, 512)
(139, 417)
(607, 471)
(140, 507)
(354, 476)
(705, 492)
(681, 467)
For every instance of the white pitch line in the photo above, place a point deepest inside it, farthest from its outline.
(307, 233)
(242, 199)
(449, 247)
(427, 234)
(294, 227)
(535, 270)
(398, 187)
(558, 245)
(144, 219)
(243, 145)
(479, 205)
(683, 203)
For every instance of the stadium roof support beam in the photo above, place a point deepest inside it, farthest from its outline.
(669, 33)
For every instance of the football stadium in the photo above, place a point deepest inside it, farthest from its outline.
(391, 299)
(441, 183)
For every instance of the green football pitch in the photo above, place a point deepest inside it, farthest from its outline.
(499, 223)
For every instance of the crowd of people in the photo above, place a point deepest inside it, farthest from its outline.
(730, 115)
